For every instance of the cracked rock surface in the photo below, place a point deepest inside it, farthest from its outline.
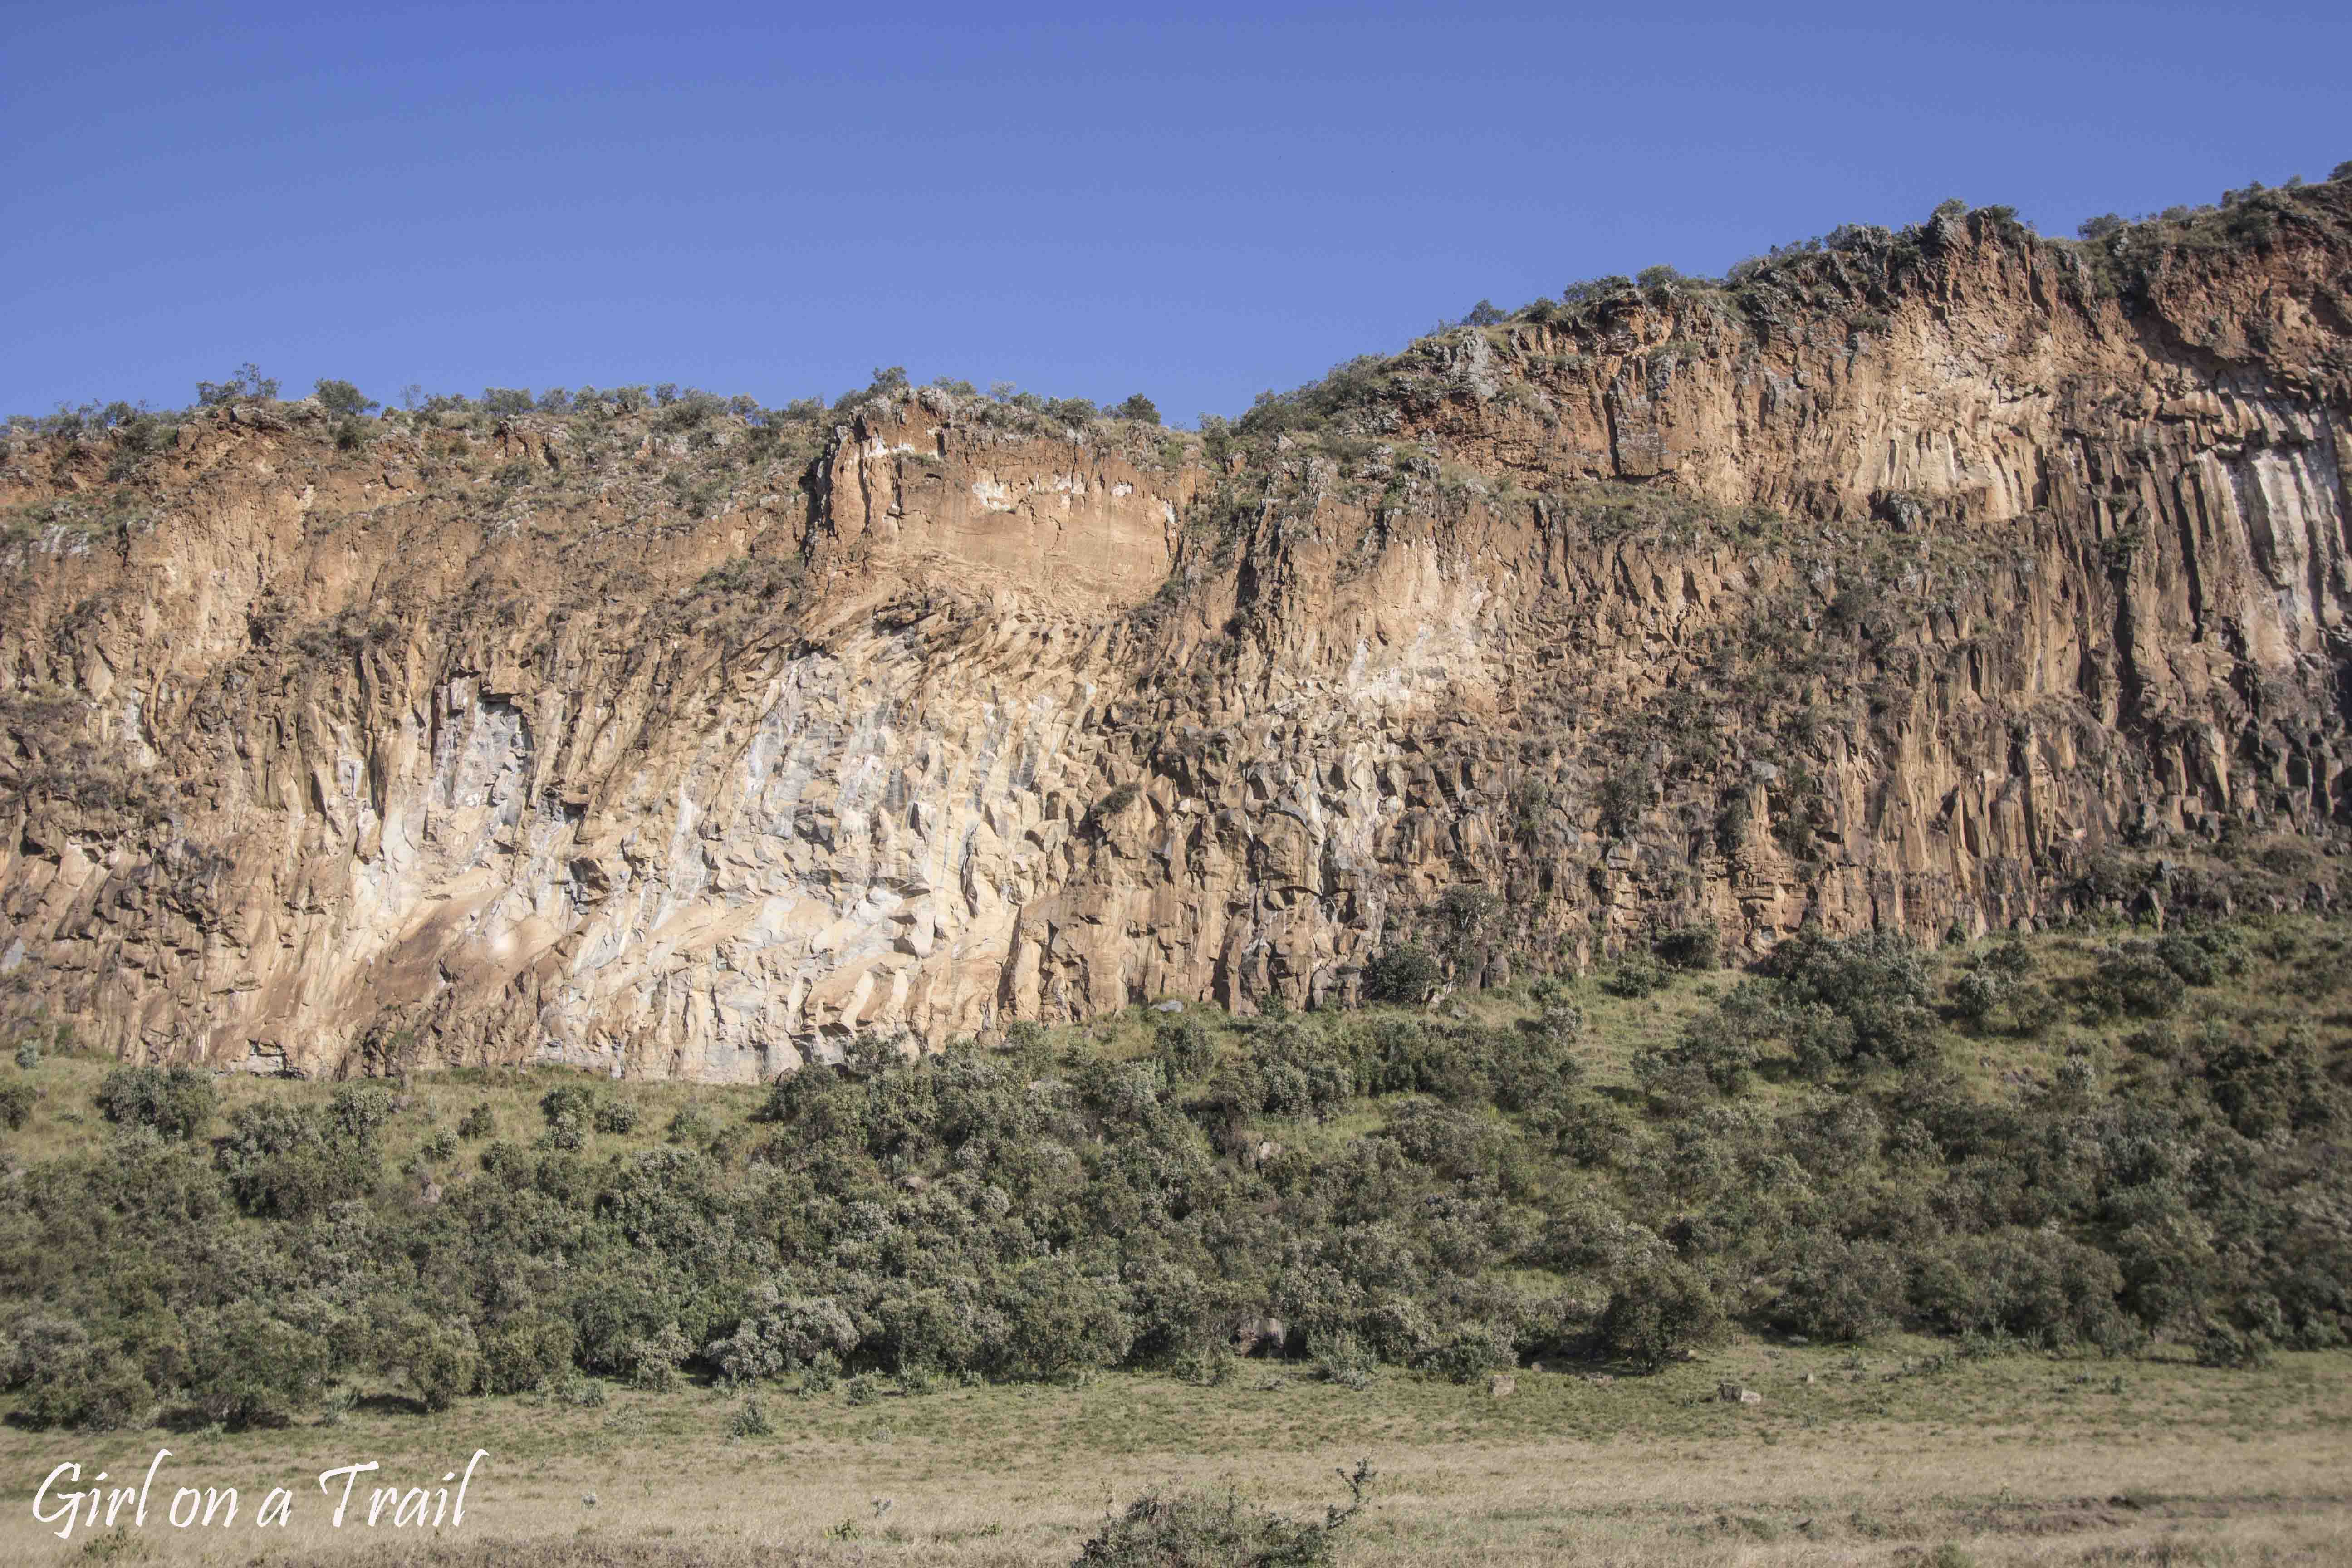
(1923, 583)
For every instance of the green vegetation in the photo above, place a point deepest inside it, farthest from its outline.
(342, 398)
(2091, 1143)
(248, 385)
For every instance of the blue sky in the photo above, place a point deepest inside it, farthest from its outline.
(1196, 205)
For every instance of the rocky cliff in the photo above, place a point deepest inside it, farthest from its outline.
(1948, 577)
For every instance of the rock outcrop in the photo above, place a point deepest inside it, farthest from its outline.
(1951, 578)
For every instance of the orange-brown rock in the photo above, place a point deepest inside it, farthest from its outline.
(1926, 580)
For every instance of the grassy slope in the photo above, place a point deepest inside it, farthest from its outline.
(2016, 1458)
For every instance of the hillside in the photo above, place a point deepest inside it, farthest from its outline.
(1946, 580)
(2039, 1244)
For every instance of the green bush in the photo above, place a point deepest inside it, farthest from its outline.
(2196, 958)
(1340, 1358)
(341, 398)
(1975, 994)
(1868, 995)
(528, 1351)
(1403, 975)
(286, 1162)
(2135, 979)
(479, 1122)
(248, 383)
(1193, 1530)
(69, 1381)
(823, 1373)
(1633, 976)
(2225, 1345)
(744, 1356)
(176, 1102)
(1063, 1321)
(443, 1362)
(572, 1111)
(252, 1366)
(693, 1125)
(1473, 1351)
(580, 1392)
(652, 1360)
(1659, 1309)
(1698, 945)
(1832, 1288)
(17, 1101)
(2037, 1286)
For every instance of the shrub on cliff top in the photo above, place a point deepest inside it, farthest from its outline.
(248, 383)
(342, 398)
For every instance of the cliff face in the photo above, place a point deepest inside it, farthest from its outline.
(1944, 578)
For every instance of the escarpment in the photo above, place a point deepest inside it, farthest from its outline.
(1945, 578)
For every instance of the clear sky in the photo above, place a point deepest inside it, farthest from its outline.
(1194, 202)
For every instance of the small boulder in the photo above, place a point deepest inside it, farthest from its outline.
(1732, 1394)
(1171, 1006)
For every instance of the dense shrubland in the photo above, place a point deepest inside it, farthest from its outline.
(2091, 1144)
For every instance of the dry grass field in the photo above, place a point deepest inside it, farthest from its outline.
(2020, 1459)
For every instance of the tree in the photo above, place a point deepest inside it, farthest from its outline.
(248, 383)
(342, 398)
(1140, 408)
